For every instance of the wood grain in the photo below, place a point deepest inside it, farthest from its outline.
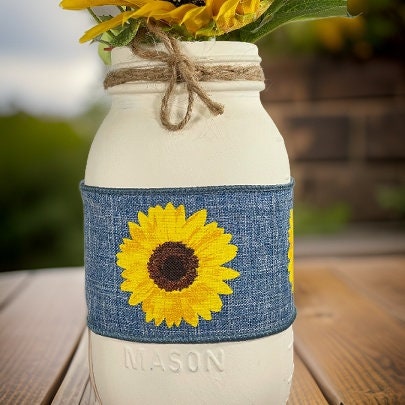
(76, 379)
(39, 334)
(11, 285)
(354, 349)
(349, 334)
(76, 388)
(381, 279)
(304, 390)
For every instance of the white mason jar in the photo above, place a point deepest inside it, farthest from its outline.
(240, 147)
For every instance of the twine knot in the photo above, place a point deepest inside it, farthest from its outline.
(179, 69)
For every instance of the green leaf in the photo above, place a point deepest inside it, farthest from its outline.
(104, 54)
(282, 12)
(115, 38)
(126, 35)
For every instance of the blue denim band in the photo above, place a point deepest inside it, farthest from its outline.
(257, 217)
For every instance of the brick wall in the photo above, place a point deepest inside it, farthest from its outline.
(344, 128)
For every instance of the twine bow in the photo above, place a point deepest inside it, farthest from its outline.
(179, 68)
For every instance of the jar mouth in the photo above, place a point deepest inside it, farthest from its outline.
(205, 52)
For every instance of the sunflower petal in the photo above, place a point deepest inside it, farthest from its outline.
(196, 18)
(218, 255)
(105, 26)
(189, 315)
(83, 4)
(212, 248)
(156, 9)
(140, 293)
(229, 274)
(219, 287)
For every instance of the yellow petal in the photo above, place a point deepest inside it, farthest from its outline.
(212, 248)
(105, 26)
(83, 4)
(215, 240)
(219, 287)
(159, 319)
(196, 18)
(194, 229)
(226, 17)
(140, 294)
(138, 239)
(177, 221)
(217, 255)
(247, 7)
(189, 315)
(216, 273)
(204, 312)
(229, 274)
(156, 9)
(144, 221)
(291, 250)
(211, 300)
(180, 216)
(215, 302)
(172, 310)
(178, 13)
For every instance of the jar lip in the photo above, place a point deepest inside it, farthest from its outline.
(201, 51)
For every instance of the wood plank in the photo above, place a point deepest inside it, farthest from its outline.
(381, 279)
(304, 389)
(76, 379)
(39, 334)
(355, 351)
(11, 284)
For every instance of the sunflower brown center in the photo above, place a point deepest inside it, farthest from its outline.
(179, 3)
(173, 266)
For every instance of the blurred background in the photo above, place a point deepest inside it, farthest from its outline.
(335, 88)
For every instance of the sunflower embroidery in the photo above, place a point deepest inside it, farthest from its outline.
(174, 266)
(291, 250)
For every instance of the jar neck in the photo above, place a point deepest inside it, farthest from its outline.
(218, 52)
(211, 54)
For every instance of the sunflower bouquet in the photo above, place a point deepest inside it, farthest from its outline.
(191, 20)
(134, 22)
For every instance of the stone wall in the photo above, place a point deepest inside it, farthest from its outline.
(344, 128)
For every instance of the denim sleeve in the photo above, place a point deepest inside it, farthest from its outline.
(189, 265)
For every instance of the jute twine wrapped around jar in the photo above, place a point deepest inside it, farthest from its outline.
(179, 69)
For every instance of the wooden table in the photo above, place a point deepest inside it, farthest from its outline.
(349, 334)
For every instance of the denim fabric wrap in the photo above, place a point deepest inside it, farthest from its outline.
(257, 217)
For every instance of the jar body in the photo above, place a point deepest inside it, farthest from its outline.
(131, 150)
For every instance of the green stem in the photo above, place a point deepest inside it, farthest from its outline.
(93, 14)
(99, 20)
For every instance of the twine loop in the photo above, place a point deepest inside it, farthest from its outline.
(179, 69)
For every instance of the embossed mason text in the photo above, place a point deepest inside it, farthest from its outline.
(176, 361)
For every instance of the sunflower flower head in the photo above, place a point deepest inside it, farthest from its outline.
(236, 20)
(191, 19)
(173, 266)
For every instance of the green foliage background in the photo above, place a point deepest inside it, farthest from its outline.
(41, 164)
(42, 160)
(376, 30)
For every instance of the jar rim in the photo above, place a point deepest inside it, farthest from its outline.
(215, 52)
